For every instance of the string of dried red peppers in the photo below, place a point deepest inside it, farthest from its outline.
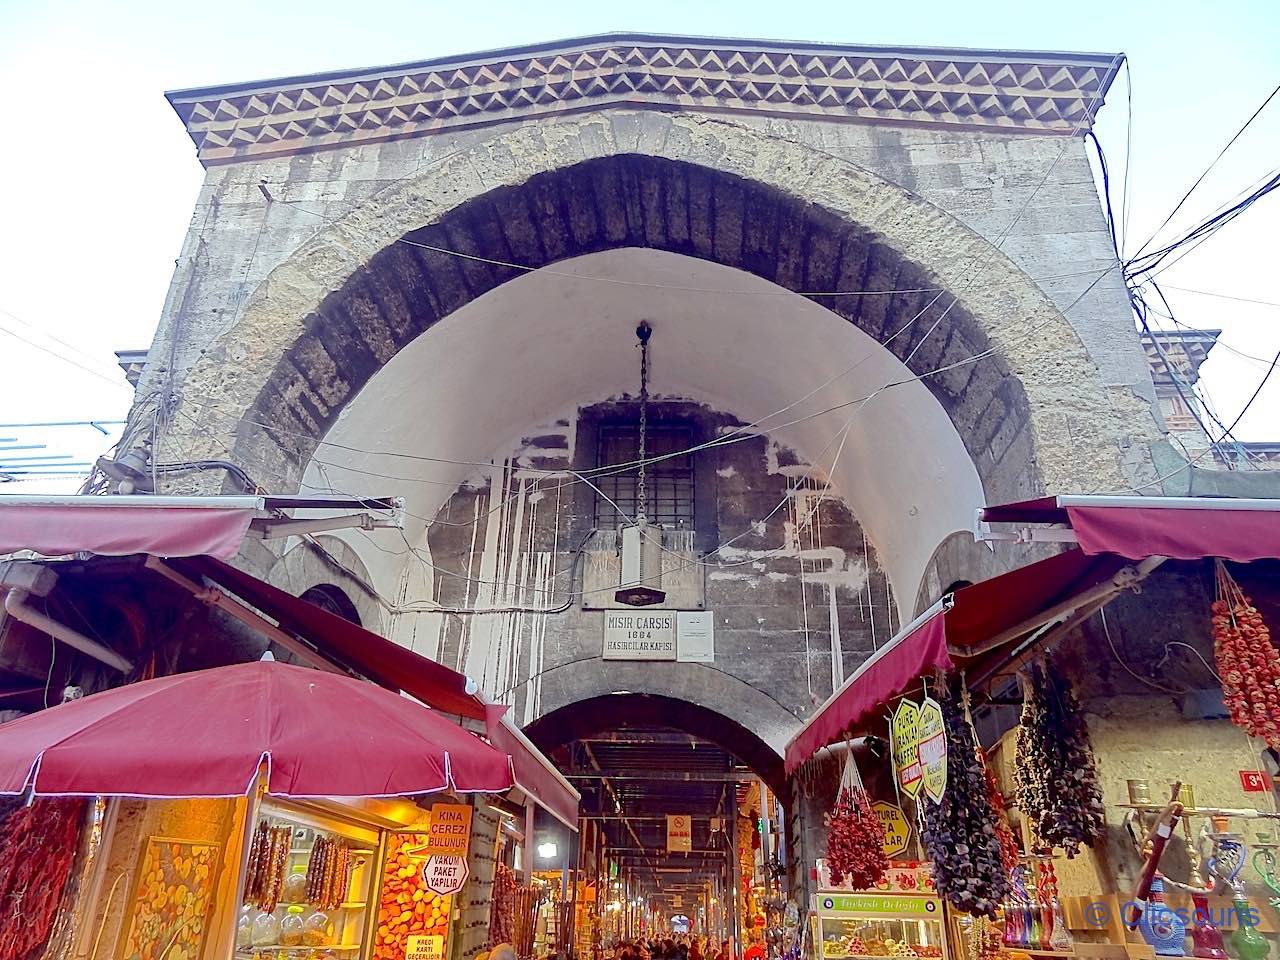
(855, 841)
(1248, 661)
(37, 850)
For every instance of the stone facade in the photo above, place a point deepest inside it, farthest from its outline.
(943, 205)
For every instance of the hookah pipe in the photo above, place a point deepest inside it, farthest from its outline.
(1264, 861)
(1158, 837)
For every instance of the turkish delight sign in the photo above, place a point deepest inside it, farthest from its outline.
(639, 635)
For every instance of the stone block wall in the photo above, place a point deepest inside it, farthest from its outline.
(798, 599)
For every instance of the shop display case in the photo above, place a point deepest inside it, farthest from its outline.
(297, 928)
(857, 926)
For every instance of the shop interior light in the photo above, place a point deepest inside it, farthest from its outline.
(548, 849)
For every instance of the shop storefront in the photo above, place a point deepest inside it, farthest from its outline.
(402, 864)
(1155, 836)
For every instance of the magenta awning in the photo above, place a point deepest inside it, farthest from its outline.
(1180, 528)
(104, 526)
(165, 526)
(959, 629)
(535, 776)
(914, 653)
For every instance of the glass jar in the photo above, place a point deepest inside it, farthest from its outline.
(291, 928)
(316, 931)
(244, 927)
(294, 888)
(266, 930)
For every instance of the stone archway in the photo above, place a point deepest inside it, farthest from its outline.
(1034, 414)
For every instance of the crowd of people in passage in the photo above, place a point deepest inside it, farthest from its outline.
(679, 947)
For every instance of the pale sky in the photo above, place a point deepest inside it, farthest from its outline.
(98, 177)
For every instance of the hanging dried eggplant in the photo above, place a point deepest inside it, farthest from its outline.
(1055, 773)
(960, 833)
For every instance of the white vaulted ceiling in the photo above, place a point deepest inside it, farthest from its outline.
(540, 346)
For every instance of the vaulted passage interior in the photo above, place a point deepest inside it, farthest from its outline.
(639, 760)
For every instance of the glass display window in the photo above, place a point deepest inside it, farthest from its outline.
(307, 887)
(859, 926)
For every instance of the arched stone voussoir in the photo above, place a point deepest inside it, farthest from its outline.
(324, 320)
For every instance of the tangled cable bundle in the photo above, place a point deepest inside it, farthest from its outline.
(37, 850)
(1055, 774)
(855, 835)
(1248, 661)
(960, 833)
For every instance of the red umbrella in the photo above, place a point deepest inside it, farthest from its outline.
(204, 734)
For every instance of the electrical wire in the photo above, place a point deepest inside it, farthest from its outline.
(1224, 296)
(1125, 193)
(1106, 630)
(1214, 163)
(74, 363)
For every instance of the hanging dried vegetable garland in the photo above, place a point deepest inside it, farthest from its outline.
(37, 850)
(1055, 774)
(1009, 854)
(1248, 661)
(960, 832)
(855, 835)
(268, 856)
(502, 909)
(328, 873)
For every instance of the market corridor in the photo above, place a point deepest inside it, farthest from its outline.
(673, 819)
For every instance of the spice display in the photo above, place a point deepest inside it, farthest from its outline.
(37, 849)
(268, 857)
(855, 835)
(1248, 661)
(503, 906)
(328, 873)
(1055, 775)
(960, 832)
(407, 908)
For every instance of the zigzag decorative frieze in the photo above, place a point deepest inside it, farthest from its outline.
(1045, 93)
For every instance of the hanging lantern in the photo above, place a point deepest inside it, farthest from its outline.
(641, 578)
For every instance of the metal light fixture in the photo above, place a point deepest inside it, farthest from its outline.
(641, 542)
(548, 849)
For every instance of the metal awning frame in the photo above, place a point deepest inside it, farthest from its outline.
(1047, 532)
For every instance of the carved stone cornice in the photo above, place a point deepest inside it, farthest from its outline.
(995, 90)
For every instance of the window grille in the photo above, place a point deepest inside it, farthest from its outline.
(668, 482)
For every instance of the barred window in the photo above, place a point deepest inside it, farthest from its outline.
(668, 483)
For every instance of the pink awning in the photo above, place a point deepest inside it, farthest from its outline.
(114, 530)
(205, 733)
(959, 628)
(1180, 528)
(536, 777)
(914, 653)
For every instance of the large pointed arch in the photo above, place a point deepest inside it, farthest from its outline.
(1033, 414)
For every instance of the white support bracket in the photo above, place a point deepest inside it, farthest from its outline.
(982, 533)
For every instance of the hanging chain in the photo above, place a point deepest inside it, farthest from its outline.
(642, 506)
